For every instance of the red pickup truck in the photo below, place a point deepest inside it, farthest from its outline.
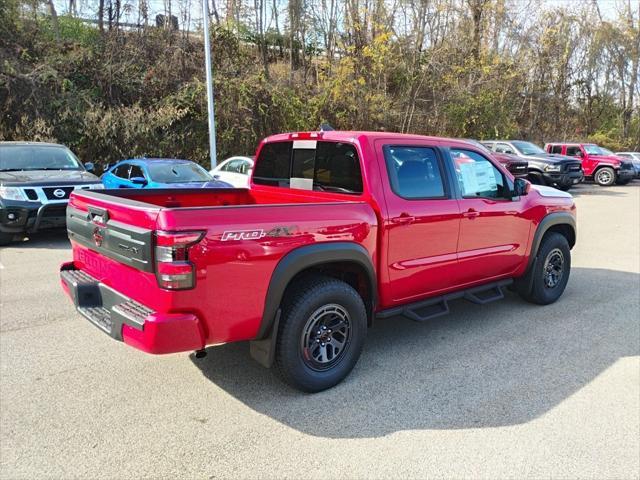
(337, 229)
(602, 166)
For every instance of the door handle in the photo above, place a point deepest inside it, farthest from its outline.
(471, 213)
(403, 219)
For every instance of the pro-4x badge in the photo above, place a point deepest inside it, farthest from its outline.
(243, 235)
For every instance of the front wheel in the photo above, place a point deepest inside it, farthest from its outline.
(605, 177)
(548, 276)
(321, 334)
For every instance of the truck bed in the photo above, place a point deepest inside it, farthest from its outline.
(220, 197)
(113, 237)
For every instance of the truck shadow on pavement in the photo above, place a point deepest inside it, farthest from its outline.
(592, 189)
(496, 365)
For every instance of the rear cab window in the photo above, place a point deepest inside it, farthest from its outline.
(310, 165)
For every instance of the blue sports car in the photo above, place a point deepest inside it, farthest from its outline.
(159, 173)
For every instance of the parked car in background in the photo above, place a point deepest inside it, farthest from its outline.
(633, 157)
(159, 173)
(543, 168)
(337, 229)
(36, 180)
(605, 169)
(234, 170)
(517, 166)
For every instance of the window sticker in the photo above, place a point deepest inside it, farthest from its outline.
(478, 177)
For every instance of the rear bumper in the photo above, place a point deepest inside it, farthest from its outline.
(129, 321)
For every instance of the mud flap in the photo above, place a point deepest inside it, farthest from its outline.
(263, 351)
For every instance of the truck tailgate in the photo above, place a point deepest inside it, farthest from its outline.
(117, 228)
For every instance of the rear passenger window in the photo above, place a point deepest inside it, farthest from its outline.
(136, 171)
(322, 166)
(122, 171)
(503, 148)
(414, 172)
(573, 151)
(555, 149)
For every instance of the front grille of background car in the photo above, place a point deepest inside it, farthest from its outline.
(573, 167)
(48, 191)
(31, 194)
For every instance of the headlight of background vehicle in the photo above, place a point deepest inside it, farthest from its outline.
(552, 168)
(12, 193)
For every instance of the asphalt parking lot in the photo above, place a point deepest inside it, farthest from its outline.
(507, 390)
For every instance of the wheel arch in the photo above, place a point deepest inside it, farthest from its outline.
(346, 261)
(563, 223)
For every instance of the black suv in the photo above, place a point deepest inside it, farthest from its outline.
(36, 180)
(544, 168)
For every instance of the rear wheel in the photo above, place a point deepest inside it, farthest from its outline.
(605, 177)
(5, 238)
(321, 334)
(548, 276)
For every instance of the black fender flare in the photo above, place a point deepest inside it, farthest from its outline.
(263, 347)
(550, 220)
(305, 257)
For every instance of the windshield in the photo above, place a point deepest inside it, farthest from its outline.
(34, 157)
(606, 151)
(165, 172)
(528, 148)
(594, 150)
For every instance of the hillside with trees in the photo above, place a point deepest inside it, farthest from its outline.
(463, 68)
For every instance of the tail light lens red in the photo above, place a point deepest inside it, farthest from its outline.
(174, 271)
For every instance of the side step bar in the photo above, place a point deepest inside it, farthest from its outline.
(438, 306)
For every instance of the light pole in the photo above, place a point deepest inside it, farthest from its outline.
(208, 67)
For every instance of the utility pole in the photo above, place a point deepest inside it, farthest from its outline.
(208, 67)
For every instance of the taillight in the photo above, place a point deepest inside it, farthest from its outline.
(173, 268)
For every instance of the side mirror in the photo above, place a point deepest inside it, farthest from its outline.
(521, 187)
(89, 167)
(138, 180)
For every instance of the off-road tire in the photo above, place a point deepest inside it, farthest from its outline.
(300, 306)
(605, 176)
(535, 286)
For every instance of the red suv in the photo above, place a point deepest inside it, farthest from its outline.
(600, 165)
(338, 229)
